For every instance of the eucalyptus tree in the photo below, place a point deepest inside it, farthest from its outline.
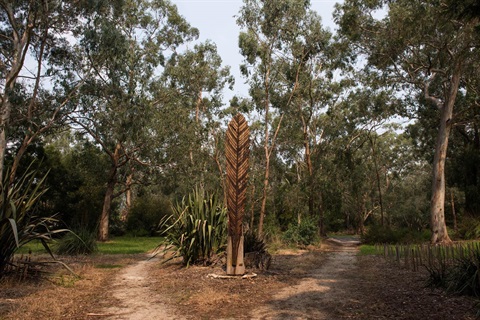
(463, 168)
(416, 47)
(124, 48)
(194, 80)
(272, 36)
(311, 60)
(36, 78)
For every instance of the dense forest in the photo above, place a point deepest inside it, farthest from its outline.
(118, 110)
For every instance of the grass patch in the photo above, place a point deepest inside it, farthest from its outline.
(32, 247)
(128, 245)
(117, 245)
(344, 236)
(367, 250)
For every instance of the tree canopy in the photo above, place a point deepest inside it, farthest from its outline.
(123, 101)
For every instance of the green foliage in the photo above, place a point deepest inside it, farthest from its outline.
(197, 228)
(304, 233)
(18, 223)
(83, 241)
(76, 182)
(376, 234)
(147, 211)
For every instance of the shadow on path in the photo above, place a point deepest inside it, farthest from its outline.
(321, 294)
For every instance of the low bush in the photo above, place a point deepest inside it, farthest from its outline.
(468, 229)
(376, 234)
(83, 241)
(460, 277)
(197, 228)
(464, 275)
(303, 234)
(147, 211)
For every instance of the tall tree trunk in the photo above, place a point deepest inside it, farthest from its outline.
(107, 202)
(268, 152)
(20, 44)
(379, 186)
(4, 119)
(252, 205)
(267, 157)
(308, 160)
(128, 198)
(264, 194)
(437, 204)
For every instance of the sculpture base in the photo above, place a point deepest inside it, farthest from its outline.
(239, 268)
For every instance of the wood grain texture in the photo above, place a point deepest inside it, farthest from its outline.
(237, 149)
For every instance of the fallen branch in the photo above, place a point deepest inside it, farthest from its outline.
(245, 276)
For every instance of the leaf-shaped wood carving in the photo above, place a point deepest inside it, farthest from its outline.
(237, 148)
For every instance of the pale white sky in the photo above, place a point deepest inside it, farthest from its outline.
(215, 20)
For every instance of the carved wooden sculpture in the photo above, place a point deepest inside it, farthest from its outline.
(237, 152)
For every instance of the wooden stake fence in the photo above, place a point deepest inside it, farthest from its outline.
(416, 256)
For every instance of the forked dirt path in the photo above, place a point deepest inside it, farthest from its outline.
(318, 291)
(311, 297)
(134, 295)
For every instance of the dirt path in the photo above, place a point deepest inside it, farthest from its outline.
(135, 298)
(317, 292)
(310, 298)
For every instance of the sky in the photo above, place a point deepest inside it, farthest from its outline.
(215, 19)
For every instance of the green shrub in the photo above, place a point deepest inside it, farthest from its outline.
(18, 223)
(376, 234)
(147, 211)
(468, 229)
(197, 228)
(81, 242)
(304, 233)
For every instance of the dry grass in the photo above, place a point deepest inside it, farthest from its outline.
(61, 295)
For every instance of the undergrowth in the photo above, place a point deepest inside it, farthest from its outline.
(83, 241)
(461, 276)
